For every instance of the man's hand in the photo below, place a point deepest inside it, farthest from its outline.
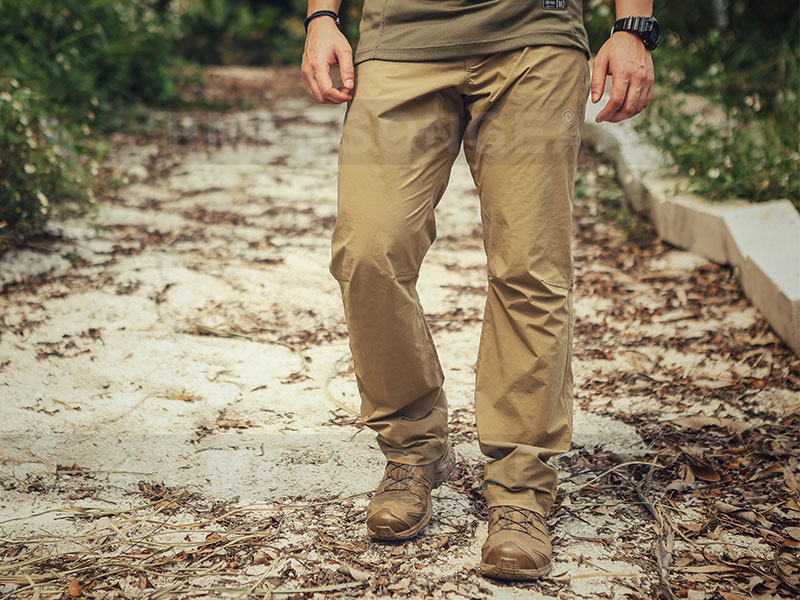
(325, 47)
(629, 63)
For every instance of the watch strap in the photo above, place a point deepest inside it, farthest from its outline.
(635, 24)
(323, 13)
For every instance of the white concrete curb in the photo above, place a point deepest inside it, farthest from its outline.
(762, 241)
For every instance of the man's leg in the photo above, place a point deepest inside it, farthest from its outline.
(401, 135)
(522, 143)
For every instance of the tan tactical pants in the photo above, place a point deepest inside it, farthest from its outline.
(518, 114)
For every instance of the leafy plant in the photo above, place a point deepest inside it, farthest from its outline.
(744, 57)
(243, 32)
(738, 158)
(64, 65)
(73, 51)
(40, 161)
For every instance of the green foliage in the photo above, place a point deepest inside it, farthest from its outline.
(744, 57)
(75, 50)
(40, 160)
(243, 32)
(64, 64)
(252, 32)
(754, 159)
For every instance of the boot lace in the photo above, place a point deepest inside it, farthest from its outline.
(399, 476)
(515, 519)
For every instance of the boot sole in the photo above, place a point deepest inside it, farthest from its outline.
(509, 570)
(443, 471)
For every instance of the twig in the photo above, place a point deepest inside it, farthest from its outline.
(328, 392)
(96, 512)
(614, 468)
(225, 333)
(566, 578)
(662, 553)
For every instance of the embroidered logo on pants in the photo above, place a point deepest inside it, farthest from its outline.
(568, 118)
(554, 4)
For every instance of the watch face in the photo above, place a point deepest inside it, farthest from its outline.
(654, 35)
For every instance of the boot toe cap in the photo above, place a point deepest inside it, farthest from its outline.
(386, 521)
(510, 553)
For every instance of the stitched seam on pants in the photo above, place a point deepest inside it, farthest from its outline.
(567, 394)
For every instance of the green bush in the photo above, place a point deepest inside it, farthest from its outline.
(75, 50)
(40, 160)
(65, 64)
(252, 32)
(744, 57)
(243, 32)
(739, 158)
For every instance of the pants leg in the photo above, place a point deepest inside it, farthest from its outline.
(401, 134)
(522, 141)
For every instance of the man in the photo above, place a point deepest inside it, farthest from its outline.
(509, 79)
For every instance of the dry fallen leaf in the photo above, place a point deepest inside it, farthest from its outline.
(793, 532)
(74, 588)
(661, 275)
(674, 315)
(356, 574)
(712, 384)
(733, 596)
(265, 556)
(768, 472)
(790, 479)
(736, 511)
(144, 582)
(698, 422)
(693, 527)
(213, 537)
(707, 569)
(704, 473)
(233, 423)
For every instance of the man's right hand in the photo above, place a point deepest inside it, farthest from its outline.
(325, 47)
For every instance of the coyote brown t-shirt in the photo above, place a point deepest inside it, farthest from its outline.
(438, 29)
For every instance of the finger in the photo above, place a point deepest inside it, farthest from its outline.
(631, 104)
(311, 85)
(313, 90)
(322, 75)
(307, 77)
(648, 95)
(619, 90)
(344, 56)
(599, 73)
(642, 99)
(645, 83)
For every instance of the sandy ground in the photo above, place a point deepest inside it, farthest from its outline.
(187, 338)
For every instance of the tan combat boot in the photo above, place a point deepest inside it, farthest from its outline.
(401, 507)
(518, 546)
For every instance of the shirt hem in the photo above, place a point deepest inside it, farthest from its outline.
(429, 53)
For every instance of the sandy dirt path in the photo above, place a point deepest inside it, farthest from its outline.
(179, 410)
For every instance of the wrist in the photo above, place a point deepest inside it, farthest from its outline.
(321, 23)
(628, 34)
(633, 8)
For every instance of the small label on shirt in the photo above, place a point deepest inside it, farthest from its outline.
(554, 4)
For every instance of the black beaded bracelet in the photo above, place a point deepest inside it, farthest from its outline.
(322, 13)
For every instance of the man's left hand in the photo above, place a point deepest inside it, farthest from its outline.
(630, 65)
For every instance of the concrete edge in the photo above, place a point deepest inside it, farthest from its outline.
(762, 241)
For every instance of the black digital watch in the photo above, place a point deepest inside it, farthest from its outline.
(647, 28)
